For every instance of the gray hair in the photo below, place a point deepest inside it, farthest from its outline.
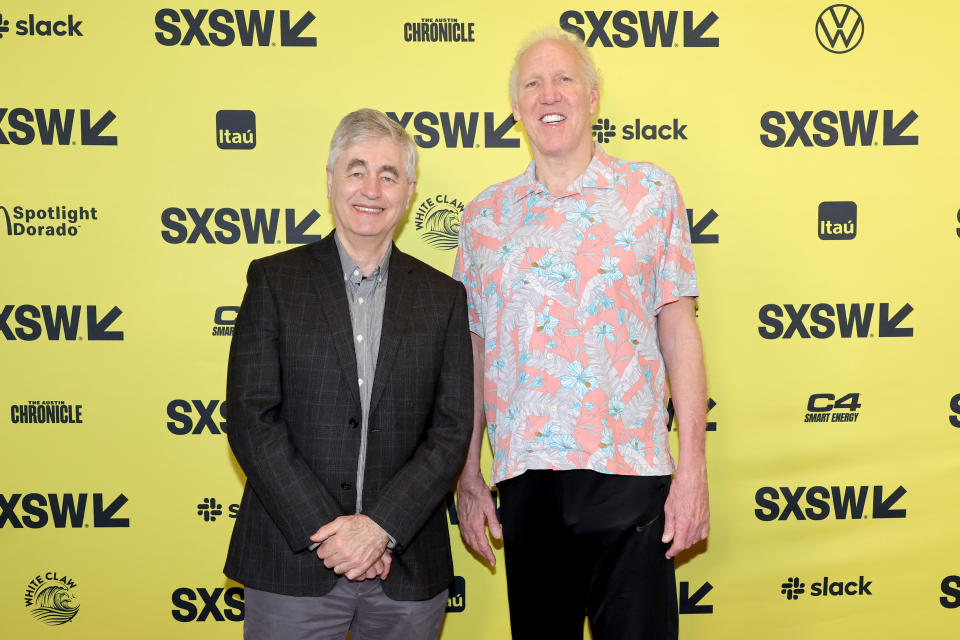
(367, 124)
(591, 73)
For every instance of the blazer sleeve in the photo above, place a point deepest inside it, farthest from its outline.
(413, 493)
(292, 495)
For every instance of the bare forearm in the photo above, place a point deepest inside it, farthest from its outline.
(471, 467)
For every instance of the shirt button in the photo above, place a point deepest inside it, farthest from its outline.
(552, 251)
(356, 272)
(353, 423)
(359, 338)
(345, 486)
(359, 300)
(360, 381)
(550, 302)
(556, 206)
(553, 408)
(549, 356)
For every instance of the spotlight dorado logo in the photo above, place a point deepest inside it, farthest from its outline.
(51, 598)
(55, 221)
(438, 221)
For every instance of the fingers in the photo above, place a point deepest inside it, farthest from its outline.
(490, 512)
(386, 561)
(326, 531)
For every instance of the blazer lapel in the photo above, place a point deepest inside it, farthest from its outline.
(395, 310)
(328, 279)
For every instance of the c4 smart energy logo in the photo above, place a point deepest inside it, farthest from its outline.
(236, 129)
(34, 25)
(52, 598)
(201, 604)
(839, 28)
(24, 125)
(223, 28)
(60, 221)
(794, 588)
(438, 221)
(29, 322)
(837, 220)
(458, 129)
(857, 128)
(628, 28)
(210, 417)
(827, 407)
(224, 319)
(439, 30)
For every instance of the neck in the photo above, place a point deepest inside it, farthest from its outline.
(557, 172)
(367, 254)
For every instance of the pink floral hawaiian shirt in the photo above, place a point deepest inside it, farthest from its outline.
(564, 289)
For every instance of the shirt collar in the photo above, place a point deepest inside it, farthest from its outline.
(352, 272)
(598, 175)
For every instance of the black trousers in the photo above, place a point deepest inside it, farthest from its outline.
(582, 543)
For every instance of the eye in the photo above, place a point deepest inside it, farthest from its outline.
(531, 84)
(356, 174)
(388, 179)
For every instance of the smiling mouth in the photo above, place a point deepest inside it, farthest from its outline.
(552, 118)
(363, 209)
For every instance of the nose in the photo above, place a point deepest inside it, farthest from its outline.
(549, 92)
(371, 186)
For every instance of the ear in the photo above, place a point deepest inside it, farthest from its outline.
(329, 181)
(516, 112)
(594, 99)
(410, 189)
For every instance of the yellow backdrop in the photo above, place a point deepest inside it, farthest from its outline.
(149, 153)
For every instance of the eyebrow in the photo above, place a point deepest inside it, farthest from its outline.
(388, 168)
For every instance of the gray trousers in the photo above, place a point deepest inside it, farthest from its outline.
(358, 607)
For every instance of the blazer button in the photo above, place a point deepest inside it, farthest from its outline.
(353, 423)
(345, 486)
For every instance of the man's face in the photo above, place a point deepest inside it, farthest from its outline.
(553, 100)
(369, 191)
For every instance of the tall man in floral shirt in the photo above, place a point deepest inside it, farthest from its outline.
(581, 288)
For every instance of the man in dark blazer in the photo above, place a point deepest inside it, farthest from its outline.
(349, 408)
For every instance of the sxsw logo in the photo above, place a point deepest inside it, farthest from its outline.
(222, 28)
(25, 125)
(671, 413)
(849, 128)
(604, 130)
(851, 320)
(950, 587)
(228, 225)
(236, 129)
(63, 510)
(224, 319)
(209, 509)
(55, 322)
(200, 604)
(182, 420)
(692, 603)
(793, 588)
(627, 28)
(458, 129)
(839, 28)
(837, 220)
(33, 26)
(849, 502)
(955, 408)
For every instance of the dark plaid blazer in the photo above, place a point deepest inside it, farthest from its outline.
(293, 419)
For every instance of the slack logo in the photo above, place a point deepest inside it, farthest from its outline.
(793, 588)
(837, 220)
(236, 129)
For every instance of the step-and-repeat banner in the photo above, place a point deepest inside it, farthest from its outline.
(150, 151)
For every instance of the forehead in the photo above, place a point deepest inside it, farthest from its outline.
(375, 153)
(549, 56)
